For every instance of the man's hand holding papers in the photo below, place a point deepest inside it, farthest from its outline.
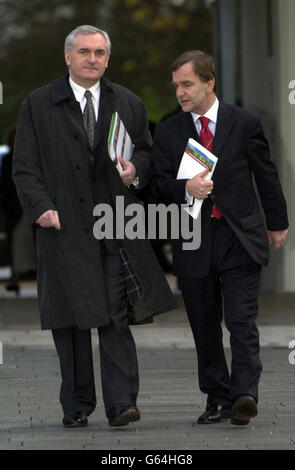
(120, 149)
(198, 186)
(199, 181)
(129, 172)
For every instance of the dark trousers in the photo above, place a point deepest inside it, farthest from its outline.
(119, 369)
(231, 288)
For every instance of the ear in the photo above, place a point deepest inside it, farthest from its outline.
(67, 58)
(211, 85)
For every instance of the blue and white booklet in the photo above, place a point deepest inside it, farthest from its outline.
(195, 160)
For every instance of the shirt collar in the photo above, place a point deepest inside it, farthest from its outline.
(79, 91)
(211, 114)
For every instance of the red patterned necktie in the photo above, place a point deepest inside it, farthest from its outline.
(206, 138)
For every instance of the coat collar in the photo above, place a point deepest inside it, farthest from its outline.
(61, 90)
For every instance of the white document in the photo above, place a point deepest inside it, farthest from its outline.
(119, 142)
(195, 160)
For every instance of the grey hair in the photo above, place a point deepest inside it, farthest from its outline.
(86, 29)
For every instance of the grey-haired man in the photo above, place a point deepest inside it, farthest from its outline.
(62, 170)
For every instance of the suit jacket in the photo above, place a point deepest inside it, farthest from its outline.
(243, 153)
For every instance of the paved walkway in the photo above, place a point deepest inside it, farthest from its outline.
(169, 399)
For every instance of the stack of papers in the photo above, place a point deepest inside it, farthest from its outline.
(195, 160)
(119, 142)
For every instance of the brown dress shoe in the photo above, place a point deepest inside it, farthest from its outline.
(125, 417)
(244, 408)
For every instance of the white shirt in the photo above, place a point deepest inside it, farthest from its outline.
(79, 92)
(211, 114)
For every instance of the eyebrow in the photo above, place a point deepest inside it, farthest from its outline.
(87, 49)
(183, 82)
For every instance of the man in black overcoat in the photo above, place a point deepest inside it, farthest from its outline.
(223, 275)
(62, 170)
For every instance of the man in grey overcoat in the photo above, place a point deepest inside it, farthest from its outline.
(62, 170)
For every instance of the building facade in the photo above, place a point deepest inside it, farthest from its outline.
(255, 53)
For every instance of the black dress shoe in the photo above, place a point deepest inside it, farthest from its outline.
(76, 421)
(215, 414)
(244, 408)
(122, 418)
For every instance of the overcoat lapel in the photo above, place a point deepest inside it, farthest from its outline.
(107, 107)
(61, 91)
(76, 121)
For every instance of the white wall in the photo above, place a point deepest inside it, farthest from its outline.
(265, 91)
(285, 55)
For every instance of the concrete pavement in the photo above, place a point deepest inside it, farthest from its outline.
(169, 399)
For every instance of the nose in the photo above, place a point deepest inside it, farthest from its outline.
(179, 92)
(91, 57)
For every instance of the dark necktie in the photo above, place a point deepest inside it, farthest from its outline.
(89, 117)
(206, 138)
